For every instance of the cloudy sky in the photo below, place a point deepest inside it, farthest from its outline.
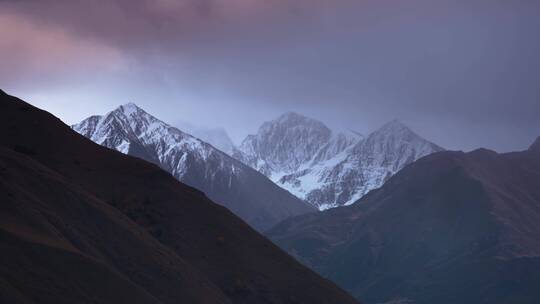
(463, 73)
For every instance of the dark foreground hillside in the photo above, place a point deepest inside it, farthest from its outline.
(452, 227)
(80, 223)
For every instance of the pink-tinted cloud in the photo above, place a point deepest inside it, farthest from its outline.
(30, 52)
(162, 23)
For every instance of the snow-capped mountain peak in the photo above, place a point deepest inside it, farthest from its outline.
(130, 129)
(329, 168)
(294, 128)
(293, 120)
(395, 129)
(284, 144)
(393, 146)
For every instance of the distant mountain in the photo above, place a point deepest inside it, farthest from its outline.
(326, 168)
(246, 192)
(452, 227)
(80, 223)
(217, 137)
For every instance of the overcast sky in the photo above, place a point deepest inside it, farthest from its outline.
(462, 73)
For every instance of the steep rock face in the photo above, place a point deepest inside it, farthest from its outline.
(330, 169)
(81, 223)
(452, 227)
(249, 194)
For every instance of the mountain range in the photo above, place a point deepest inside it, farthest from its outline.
(81, 223)
(327, 168)
(246, 192)
(451, 227)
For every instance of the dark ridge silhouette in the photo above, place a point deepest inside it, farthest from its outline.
(80, 223)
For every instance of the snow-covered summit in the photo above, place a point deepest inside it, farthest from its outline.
(284, 144)
(130, 108)
(129, 127)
